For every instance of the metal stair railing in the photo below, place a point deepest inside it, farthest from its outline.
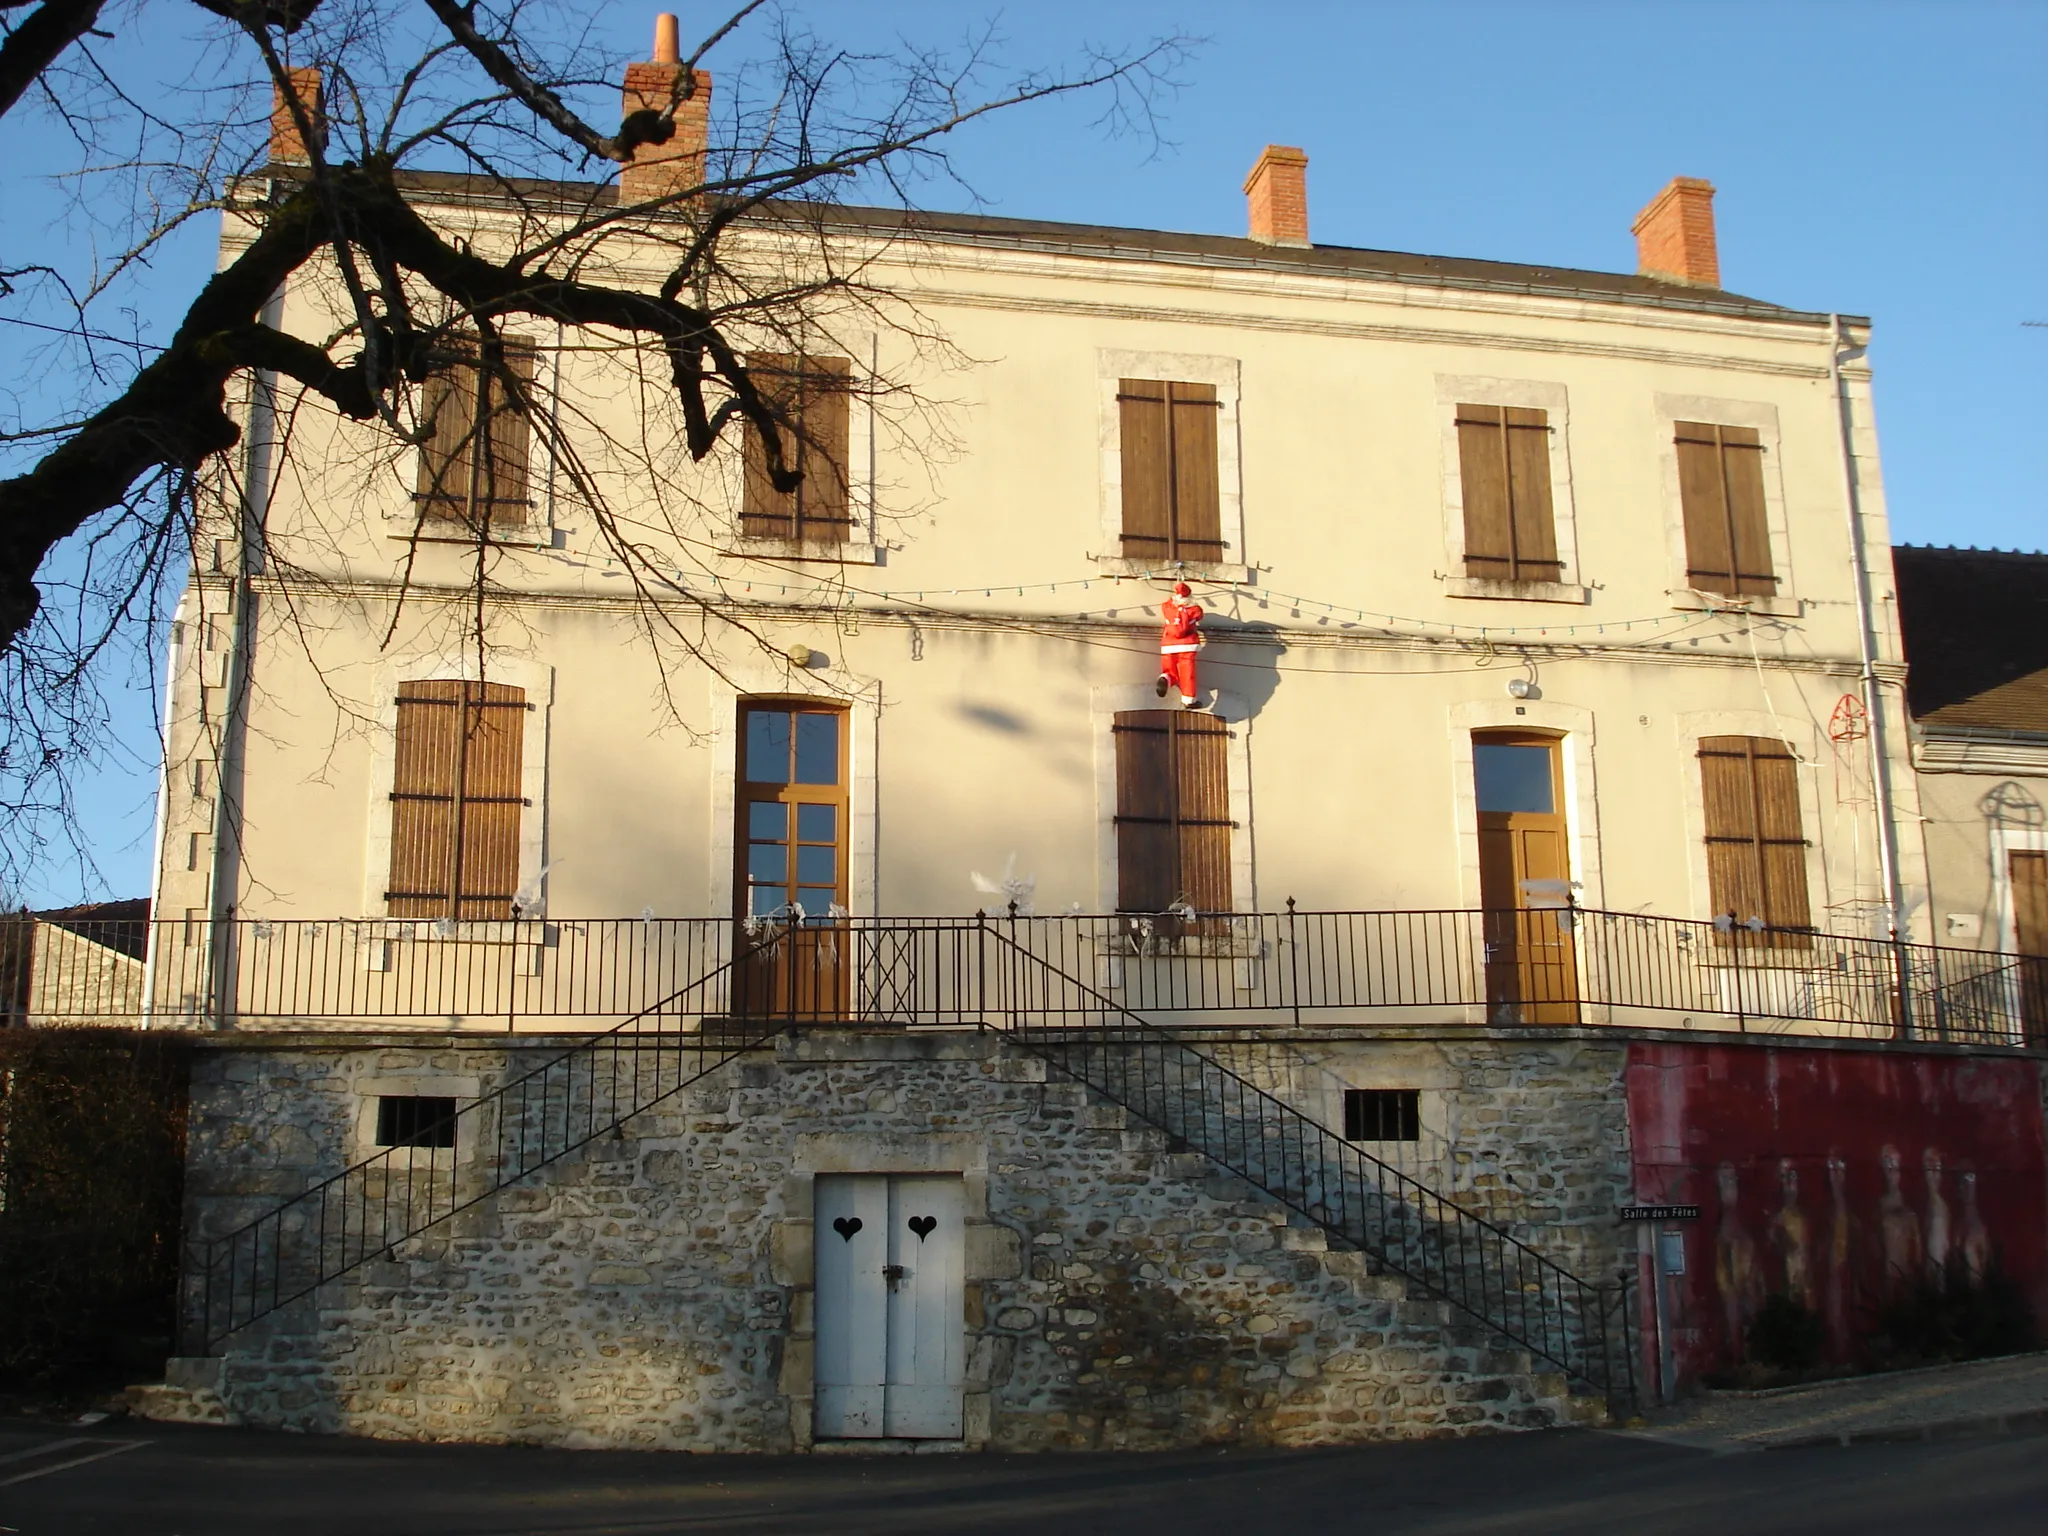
(461, 1159)
(1579, 1326)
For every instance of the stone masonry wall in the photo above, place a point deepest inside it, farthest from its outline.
(654, 1289)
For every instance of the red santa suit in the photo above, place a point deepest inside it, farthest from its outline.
(1179, 639)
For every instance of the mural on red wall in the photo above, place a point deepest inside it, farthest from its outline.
(1836, 1178)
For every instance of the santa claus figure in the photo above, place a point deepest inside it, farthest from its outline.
(1179, 639)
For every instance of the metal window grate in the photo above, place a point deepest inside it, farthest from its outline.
(1382, 1114)
(415, 1120)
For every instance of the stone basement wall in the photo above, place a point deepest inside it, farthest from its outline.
(655, 1290)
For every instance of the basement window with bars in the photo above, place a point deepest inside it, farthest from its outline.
(1382, 1114)
(415, 1120)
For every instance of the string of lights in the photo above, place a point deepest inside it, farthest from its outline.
(1295, 605)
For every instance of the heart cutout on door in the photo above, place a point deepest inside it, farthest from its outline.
(922, 1226)
(846, 1226)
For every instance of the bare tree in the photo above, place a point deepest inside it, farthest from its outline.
(131, 474)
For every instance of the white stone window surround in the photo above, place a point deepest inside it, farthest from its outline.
(1112, 365)
(1453, 390)
(762, 680)
(538, 531)
(536, 680)
(1104, 705)
(464, 1090)
(1804, 740)
(1672, 409)
(861, 545)
(2006, 841)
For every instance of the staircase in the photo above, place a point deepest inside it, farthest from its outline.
(1490, 1305)
(510, 1133)
(1448, 1257)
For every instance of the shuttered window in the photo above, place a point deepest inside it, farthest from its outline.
(812, 402)
(1756, 851)
(455, 800)
(1504, 470)
(1727, 533)
(1172, 812)
(1172, 505)
(474, 468)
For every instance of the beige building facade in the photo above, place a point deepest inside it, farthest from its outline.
(984, 614)
(672, 937)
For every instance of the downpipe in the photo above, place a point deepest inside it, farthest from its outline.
(1873, 693)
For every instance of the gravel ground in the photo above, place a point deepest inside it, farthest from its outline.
(2008, 1395)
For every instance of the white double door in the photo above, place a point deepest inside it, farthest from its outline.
(890, 1306)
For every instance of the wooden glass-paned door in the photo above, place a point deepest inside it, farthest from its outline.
(791, 848)
(1524, 879)
(2028, 871)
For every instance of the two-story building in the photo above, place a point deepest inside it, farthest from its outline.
(1549, 740)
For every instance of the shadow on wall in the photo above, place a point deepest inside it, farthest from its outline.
(1841, 1182)
(1241, 663)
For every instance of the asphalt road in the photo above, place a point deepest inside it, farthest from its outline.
(166, 1480)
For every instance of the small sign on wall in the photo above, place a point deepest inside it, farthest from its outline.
(1659, 1213)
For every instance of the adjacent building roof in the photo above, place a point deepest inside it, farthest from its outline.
(1975, 626)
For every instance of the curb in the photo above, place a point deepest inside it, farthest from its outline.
(2031, 1421)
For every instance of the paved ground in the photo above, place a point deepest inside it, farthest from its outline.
(174, 1480)
(1983, 1396)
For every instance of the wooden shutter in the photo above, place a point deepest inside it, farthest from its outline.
(448, 408)
(1173, 811)
(1172, 498)
(1756, 850)
(1147, 856)
(487, 871)
(1504, 473)
(1145, 436)
(812, 400)
(1201, 761)
(474, 468)
(1721, 489)
(1197, 504)
(455, 800)
(503, 457)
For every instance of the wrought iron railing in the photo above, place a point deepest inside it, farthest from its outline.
(1556, 966)
(1446, 1251)
(459, 1159)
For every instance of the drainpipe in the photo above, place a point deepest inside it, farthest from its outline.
(174, 651)
(1866, 644)
(254, 507)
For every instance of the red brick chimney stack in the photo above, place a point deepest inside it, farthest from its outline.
(663, 170)
(1675, 235)
(1276, 194)
(287, 145)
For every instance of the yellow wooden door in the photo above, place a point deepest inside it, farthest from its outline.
(1524, 879)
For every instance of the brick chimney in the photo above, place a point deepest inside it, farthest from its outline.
(1276, 195)
(662, 170)
(1675, 235)
(287, 147)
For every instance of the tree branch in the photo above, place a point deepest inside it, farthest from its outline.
(34, 46)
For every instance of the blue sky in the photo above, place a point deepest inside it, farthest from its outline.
(1876, 157)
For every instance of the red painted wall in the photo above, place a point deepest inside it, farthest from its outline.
(1828, 1174)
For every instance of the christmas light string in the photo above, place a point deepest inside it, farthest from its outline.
(731, 588)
